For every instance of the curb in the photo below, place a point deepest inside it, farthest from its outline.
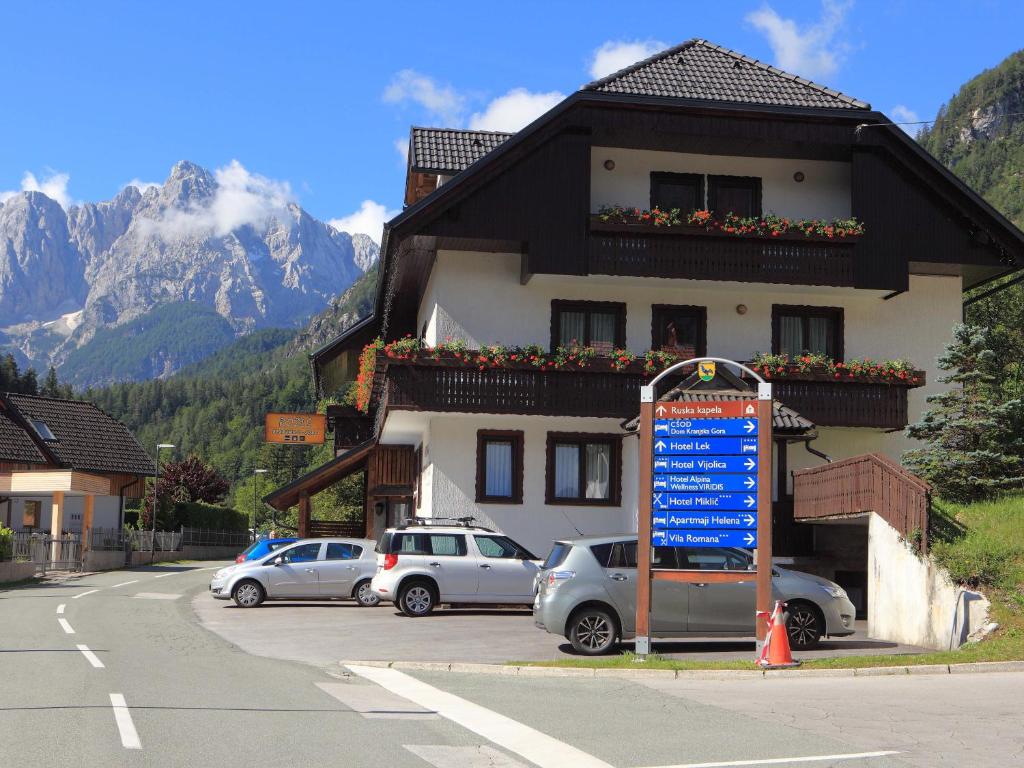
(690, 674)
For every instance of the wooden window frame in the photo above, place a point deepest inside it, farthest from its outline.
(581, 439)
(805, 312)
(702, 315)
(716, 181)
(419, 475)
(516, 437)
(567, 305)
(659, 177)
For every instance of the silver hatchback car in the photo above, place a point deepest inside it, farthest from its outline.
(586, 591)
(311, 569)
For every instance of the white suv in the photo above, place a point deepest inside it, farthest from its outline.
(422, 564)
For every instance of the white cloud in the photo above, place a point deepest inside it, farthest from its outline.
(141, 185)
(54, 186)
(402, 148)
(239, 198)
(441, 101)
(811, 51)
(514, 110)
(614, 55)
(901, 113)
(368, 220)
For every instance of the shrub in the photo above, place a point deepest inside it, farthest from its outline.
(6, 543)
(196, 514)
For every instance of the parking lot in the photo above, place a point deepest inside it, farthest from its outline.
(326, 632)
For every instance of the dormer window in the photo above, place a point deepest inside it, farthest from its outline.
(735, 194)
(42, 430)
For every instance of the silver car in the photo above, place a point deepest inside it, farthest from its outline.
(310, 569)
(586, 592)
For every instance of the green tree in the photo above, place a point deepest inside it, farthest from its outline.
(973, 434)
(51, 387)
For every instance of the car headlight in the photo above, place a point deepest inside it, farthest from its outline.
(833, 590)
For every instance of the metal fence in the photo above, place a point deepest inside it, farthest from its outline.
(203, 537)
(56, 553)
(109, 540)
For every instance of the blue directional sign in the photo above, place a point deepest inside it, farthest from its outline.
(705, 483)
(705, 427)
(708, 446)
(686, 520)
(744, 502)
(720, 538)
(681, 464)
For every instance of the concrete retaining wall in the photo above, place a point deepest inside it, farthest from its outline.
(912, 600)
(109, 561)
(16, 571)
(98, 560)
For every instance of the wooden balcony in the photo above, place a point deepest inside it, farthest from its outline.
(351, 426)
(684, 252)
(450, 386)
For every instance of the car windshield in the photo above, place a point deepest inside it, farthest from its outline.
(559, 551)
(250, 548)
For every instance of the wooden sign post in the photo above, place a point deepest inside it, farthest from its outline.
(705, 481)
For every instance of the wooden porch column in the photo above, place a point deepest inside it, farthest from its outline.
(305, 512)
(90, 502)
(56, 522)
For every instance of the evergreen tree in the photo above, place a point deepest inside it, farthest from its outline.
(973, 435)
(51, 387)
(29, 383)
(10, 380)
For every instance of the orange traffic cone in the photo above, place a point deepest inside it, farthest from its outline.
(776, 653)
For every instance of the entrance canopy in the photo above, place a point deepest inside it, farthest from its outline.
(314, 481)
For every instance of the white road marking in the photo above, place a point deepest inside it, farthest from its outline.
(156, 596)
(91, 657)
(65, 626)
(165, 575)
(125, 583)
(529, 743)
(480, 756)
(125, 726)
(83, 594)
(60, 609)
(785, 760)
(376, 703)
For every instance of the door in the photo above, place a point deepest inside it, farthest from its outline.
(453, 567)
(668, 599)
(721, 607)
(503, 573)
(336, 573)
(296, 576)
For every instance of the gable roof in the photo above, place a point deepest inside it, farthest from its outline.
(448, 151)
(86, 438)
(16, 445)
(698, 69)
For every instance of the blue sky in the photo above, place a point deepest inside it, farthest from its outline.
(319, 96)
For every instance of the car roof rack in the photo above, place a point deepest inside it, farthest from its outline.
(452, 522)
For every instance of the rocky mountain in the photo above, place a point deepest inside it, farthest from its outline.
(228, 241)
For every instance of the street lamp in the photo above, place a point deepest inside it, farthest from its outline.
(255, 472)
(156, 481)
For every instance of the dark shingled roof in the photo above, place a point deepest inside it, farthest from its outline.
(448, 151)
(785, 420)
(87, 439)
(15, 444)
(701, 70)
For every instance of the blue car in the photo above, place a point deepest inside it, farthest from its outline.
(262, 548)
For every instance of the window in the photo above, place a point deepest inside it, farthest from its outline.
(597, 324)
(500, 547)
(736, 194)
(445, 544)
(679, 329)
(31, 513)
(712, 559)
(583, 468)
(303, 553)
(623, 554)
(684, 191)
(426, 544)
(797, 329)
(341, 551)
(419, 475)
(42, 430)
(499, 466)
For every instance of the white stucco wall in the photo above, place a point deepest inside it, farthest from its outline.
(449, 479)
(824, 192)
(911, 600)
(105, 512)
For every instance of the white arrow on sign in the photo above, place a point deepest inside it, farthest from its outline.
(750, 426)
(660, 410)
(749, 482)
(750, 501)
(660, 445)
(749, 463)
(749, 539)
(750, 520)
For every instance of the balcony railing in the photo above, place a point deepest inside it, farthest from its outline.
(683, 252)
(351, 426)
(447, 385)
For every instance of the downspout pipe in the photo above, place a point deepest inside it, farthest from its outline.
(815, 451)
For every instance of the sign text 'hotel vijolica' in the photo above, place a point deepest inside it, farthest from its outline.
(704, 483)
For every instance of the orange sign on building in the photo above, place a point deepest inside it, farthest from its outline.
(295, 428)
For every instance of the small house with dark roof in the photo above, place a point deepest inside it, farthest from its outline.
(698, 202)
(65, 465)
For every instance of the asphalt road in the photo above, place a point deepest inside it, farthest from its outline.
(192, 698)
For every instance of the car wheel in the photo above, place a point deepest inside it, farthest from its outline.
(593, 631)
(366, 596)
(417, 599)
(804, 625)
(248, 594)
